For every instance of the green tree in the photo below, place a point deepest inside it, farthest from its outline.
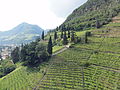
(34, 53)
(43, 35)
(97, 24)
(55, 35)
(23, 53)
(0, 57)
(68, 34)
(57, 28)
(86, 37)
(15, 55)
(61, 34)
(72, 36)
(49, 48)
(41, 53)
(65, 41)
(31, 54)
(89, 34)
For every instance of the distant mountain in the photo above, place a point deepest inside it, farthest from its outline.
(93, 10)
(23, 33)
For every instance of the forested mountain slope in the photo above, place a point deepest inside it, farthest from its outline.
(86, 15)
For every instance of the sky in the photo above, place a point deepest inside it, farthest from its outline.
(48, 14)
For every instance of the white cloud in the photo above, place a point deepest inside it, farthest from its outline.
(40, 12)
(64, 7)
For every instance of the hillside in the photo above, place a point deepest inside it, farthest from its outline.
(92, 66)
(93, 10)
(92, 62)
(23, 33)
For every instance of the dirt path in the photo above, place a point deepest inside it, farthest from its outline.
(61, 50)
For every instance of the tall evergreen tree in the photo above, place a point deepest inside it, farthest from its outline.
(63, 28)
(55, 35)
(0, 56)
(23, 52)
(65, 41)
(49, 49)
(57, 28)
(86, 37)
(61, 34)
(68, 33)
(43, 35)
(31, 53)
(15, 55)
(72, 36)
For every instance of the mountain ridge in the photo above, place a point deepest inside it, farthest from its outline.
(86, 15)
(22, 33)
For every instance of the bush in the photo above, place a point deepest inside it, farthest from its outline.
(6, 67)
(9, 69)
(86, 64)
(36, 53)
(95, 52)
(71, 46)
(89, 34)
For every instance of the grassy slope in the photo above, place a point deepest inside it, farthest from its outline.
(57, 48)
(24, 78)
(66, 71)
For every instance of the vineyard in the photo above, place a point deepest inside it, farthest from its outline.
(91, 66)
(22, 78)
(69, 72)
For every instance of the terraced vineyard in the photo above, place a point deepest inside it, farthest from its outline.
(92, 66)
(68, 72)
(22, 78)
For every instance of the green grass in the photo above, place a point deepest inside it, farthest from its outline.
(23, 78)
(107, 44)
(57, 48)
(82, 33)
(52, 35)
(113, 24)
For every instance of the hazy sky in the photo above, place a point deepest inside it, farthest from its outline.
(46, 13)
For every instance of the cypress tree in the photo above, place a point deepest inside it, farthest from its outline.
(61, 34)
(49, 49)
(55, 35)
(68, 34)
(65, 41)
(15, 55)
(43, 35)
(86, 37)
(63, 28)
(23, 52)
(57, 29)
(0, 57)
(72, 36)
